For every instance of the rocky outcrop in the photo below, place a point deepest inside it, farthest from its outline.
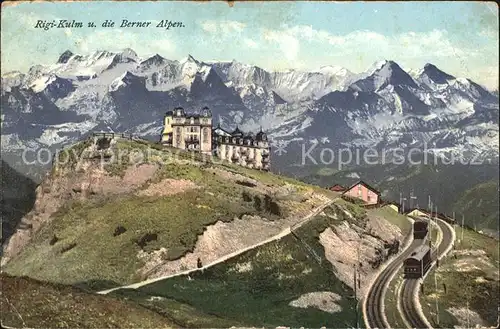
(325, 301)
(90, 181)
(361, 248)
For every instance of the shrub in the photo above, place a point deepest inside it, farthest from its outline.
(53, 240)
(245, 183)
(145, 239)
(119, 230)
(257, 204)
(353, 200)
(246, 196)
(103, 143)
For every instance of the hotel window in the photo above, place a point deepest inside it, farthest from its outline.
(359, 190)
(368, 198)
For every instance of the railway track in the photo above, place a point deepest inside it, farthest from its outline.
(410, 305)
(375, 299)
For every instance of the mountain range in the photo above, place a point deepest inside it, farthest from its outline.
(385, 107)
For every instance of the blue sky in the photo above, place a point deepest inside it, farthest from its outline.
(459, 37)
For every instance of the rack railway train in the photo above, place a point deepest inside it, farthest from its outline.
(418, 263)
(420, 228)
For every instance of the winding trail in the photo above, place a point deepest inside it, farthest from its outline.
(278, 236)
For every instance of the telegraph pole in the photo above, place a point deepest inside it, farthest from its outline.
(357, 283)
(412, 197)
(403, 205)
(468, 326)
(356, 295)
(400, 201)
(437, 297)
(430, 224)
(435, 222)
(463, 221)
(454, 228)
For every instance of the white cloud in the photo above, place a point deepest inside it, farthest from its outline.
(209, 26)
(488, 76)
(118, 39)
(489, 33)
(30, 19)
(409, 44)
(287, 42)
(250, 43)
(223, 27)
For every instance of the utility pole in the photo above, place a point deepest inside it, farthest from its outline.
(430, 236)
(435, 222)
(412, 197)
(468, 326)
(403, 205)
(454, 228)
(400, 202)
(463, 222)
(356, 295)
(357, 284)
(437, 297)
(430, 224)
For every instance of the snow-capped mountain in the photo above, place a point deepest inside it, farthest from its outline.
(384, 107)
(291, 85)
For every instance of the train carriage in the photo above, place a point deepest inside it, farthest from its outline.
(418, 263)
(420, 228)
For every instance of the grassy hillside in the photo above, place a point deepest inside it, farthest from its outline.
(263, 286)
(34, 304)
(102, 226)
(256, 288)
(468, 279)
(479, 207)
